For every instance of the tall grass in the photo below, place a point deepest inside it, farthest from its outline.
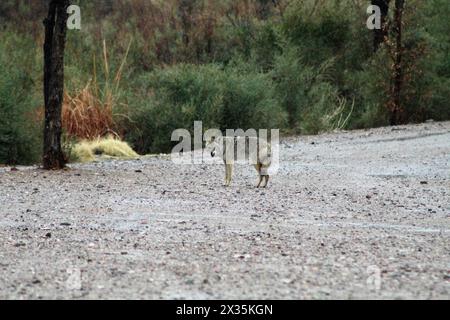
(89, 114)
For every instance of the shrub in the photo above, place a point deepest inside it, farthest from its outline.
(425, 86)
(307, 93)
(20, 128)
(436, 64)
(321, 31)
(369, 87)
(220, 97)
(84, 116)
(89, 113)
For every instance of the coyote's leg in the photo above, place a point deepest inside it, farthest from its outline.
(258, 169)
(228, 174)
(230, 171)
(267, 180)
(264, 174)
(259, 182)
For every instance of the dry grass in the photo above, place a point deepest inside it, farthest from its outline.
(84, 116)
(87, 116)
(109, 147)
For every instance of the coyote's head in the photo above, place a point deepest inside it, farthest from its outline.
(214, 146)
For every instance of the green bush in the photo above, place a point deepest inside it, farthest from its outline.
(436, 64)
(369, 88)
(320, 31)
(20, 141)
(221, 98)
(312, 102)
(425, 62)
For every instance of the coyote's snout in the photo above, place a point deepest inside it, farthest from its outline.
(253, 150)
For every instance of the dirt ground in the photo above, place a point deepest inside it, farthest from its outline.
(350, 215)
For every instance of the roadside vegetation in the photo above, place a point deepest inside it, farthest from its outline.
(139, 69)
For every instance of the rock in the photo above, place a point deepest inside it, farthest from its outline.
(189, 282)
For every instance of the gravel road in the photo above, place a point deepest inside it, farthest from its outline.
(350, 215)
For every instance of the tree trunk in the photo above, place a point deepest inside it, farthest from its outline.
(55, 38)
(185, 11)
(397, 82)
(264, 9)
(380, 34)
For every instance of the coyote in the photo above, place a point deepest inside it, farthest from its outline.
(252, 150)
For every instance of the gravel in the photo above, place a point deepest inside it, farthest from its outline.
(350, 215)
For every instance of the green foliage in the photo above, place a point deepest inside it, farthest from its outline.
(369, 88)
(302, 66)
(220, 97)
(19, 132)
(425, 92)
(308, 95)
(436, 64)
(321, 31)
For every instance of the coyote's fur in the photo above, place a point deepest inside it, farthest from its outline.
(253, 150)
